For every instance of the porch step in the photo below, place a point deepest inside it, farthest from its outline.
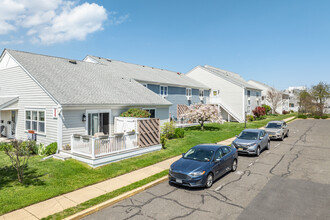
(61, 156)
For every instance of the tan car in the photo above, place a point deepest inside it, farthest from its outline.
(277, 130)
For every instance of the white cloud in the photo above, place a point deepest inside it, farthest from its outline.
(11, 42)
(53, 21)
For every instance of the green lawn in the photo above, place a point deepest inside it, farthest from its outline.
(46, 179)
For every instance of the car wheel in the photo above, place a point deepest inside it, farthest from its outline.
(258, 152)
(287, 134)
(209, 180)
(268, 145)
(234, 165)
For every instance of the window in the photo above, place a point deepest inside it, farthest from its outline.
(163, 90)
(35, 120)
(188, 92)
(248, 93)
(258, 94)
(262, 98)
(249, 102)
(216, 92)
(201, 93)
(249, 109)
(152, 112)
(98, 122)
(291, 105)
(258, 103)
(225, 150)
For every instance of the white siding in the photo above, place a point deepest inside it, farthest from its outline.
(230, 93)
(15, 82)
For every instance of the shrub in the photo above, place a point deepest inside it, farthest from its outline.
(302, 116)
(51, 149)
(19, 153)
(285, 112)
(309, 116)
(267, 108)
(259, 111)
(163, 141)
(317, 117)
(168, 129)
(325, 117)
(250, 117)
(179, 133)
(136, 113)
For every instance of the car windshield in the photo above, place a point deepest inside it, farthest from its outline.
(274, 125)
(248, 135)
(199, 154)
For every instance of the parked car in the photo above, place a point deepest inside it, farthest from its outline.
(252, 142)
(203, 164)
(277, 130)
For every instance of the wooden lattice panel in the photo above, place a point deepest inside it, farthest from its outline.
(149, 132)
(181, 110)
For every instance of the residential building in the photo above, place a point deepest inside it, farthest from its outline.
(284, 103)
(56, 97)
(234, 96)
(293, 92)
(175, 87)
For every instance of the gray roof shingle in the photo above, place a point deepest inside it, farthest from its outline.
(150, 74)
(85, 83)
(234, 77)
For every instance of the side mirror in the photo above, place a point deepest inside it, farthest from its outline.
(261, 138)
(183, 154)
(217, 160)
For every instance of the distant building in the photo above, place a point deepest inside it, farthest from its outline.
(293, 92)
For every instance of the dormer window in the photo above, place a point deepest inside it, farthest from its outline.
(163, 91)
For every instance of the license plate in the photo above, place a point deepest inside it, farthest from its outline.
(178, 181)
(240, 148)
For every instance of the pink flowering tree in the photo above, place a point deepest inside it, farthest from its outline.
(202, 113)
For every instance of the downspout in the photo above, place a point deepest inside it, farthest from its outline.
(59, 129)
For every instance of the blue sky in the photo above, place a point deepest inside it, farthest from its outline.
(282, 43)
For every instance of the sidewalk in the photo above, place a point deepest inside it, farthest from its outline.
(60, 203)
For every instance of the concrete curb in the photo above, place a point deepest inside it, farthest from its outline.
(115, 200)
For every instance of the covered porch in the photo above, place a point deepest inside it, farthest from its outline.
(8, 117)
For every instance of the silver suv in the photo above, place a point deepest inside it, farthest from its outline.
(277, 130)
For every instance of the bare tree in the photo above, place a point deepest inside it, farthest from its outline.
(320, 93)
(274, 98)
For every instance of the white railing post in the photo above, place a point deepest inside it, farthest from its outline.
(93, 148)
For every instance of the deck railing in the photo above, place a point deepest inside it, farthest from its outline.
(100, 146)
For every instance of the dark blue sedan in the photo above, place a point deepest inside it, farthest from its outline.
(203, 164)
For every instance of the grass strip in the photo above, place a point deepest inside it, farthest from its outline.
(73, 210)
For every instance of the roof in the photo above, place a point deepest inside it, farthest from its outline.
(230, 76)
(252, 130)
(209, 146)
(150, 74)
(7, 100)
(260, 83)
(81, 83)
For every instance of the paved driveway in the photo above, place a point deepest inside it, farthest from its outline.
(290, 181)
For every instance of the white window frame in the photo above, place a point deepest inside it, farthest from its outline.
(201, 93)
(151, 109)
(35, 110)
(189, 94)
(160, 90)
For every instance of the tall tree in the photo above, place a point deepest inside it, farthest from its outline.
(305, 102)
(320, 93)
(274, 98)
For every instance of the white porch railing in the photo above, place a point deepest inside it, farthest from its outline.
(100, 146)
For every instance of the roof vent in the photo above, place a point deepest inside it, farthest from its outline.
(73, 61)
(109, 60)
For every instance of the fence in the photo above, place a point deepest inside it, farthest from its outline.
(149, 132)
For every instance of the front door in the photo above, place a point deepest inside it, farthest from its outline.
(99, 123)
(13, 124)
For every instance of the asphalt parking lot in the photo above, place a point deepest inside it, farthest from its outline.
(290, 181)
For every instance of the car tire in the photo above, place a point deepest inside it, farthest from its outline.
(234, 165)
(209, 180)
(258, 152)
(268, 145)
(287, 134)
